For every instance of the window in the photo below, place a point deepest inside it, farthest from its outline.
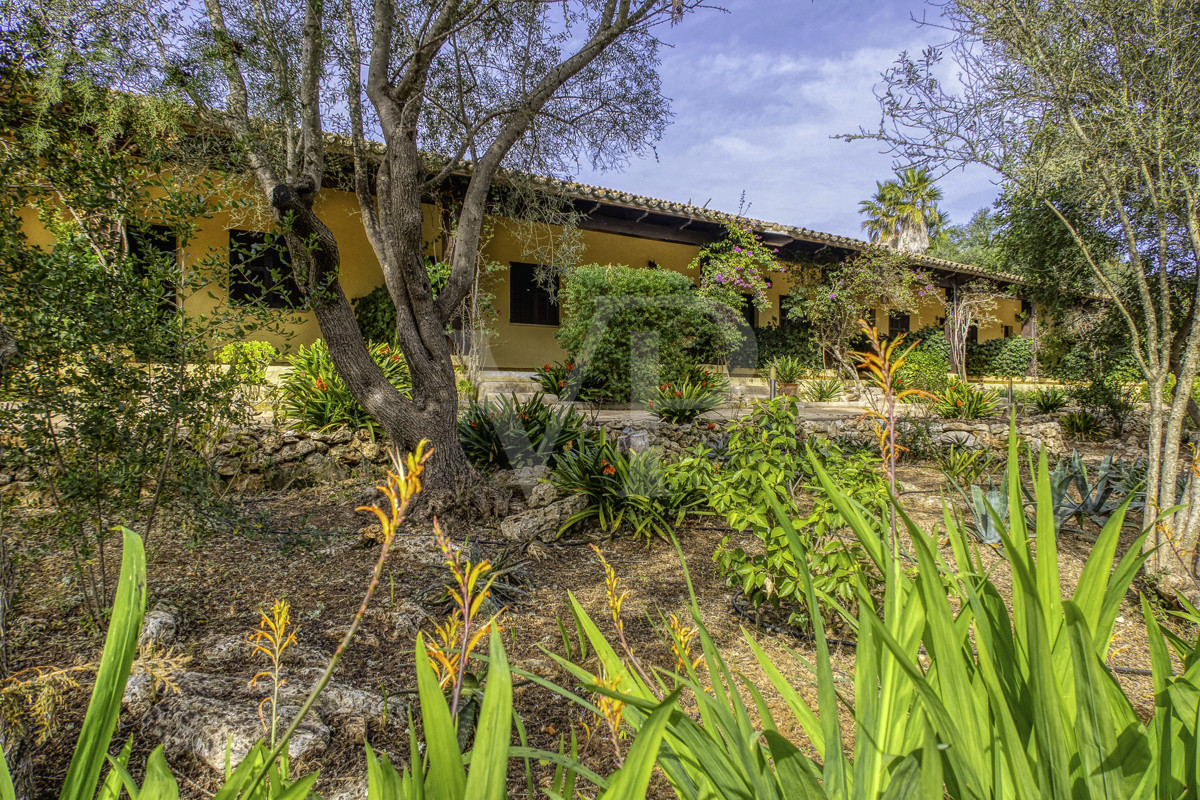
(897, 323)
(153, 251)
(529, 303)
(973, 334)
(1006, 331)
(260, 271)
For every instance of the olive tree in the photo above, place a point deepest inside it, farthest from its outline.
(1088, 107)
(428, 99)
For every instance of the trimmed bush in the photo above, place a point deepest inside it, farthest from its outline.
(927, 364)
(609, 310)
(376, 315)
(787, 340)
(1000, 358)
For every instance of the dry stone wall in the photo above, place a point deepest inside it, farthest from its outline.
(982, 434)
(264, 456)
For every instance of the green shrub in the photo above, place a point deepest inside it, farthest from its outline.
(636, 490)
(760, 465)
(1107, 399)
(925, 369)
(248, 361)
(376, 315)
(315, 396)
(1000, 358)
(608, 309)
(823, 390)
(683, 402)
(509, 433)
(1049, 400)
(788, 369)
(1081, 424)
(953, 694)
(558, 379)
(961, 400)
(788, 339)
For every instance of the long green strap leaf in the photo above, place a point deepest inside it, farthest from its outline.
(159, 783)
(631, 780)
(120, 647)
(489, 758)
(7, 790)
(447, 776)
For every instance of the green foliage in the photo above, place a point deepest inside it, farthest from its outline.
(963, 466)
(376, 315)
(1049, 400)
(977, 243)
(736, 265)
(954, 694)
(316, 398)
(683, 402)
(375, 312)
(822, 390)
(636, 490)
(248, 360)
(925, 369)
(788, 369)
(1081, 424)
(961, 400)
(1107, 399)
(849, 291)
(1000, 358)
(762, 464)
(611, 312)
(509, 433)
(558, 379)
(789, 338)
(108, 374)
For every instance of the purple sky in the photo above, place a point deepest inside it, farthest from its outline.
(756, 95)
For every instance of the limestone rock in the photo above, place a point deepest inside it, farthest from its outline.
(542, 522)
(212, 712)
(521, 481)
(543, 495)
(297, 451)
(159, 628)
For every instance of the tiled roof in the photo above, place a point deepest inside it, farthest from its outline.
(698, 213)
(617, 197)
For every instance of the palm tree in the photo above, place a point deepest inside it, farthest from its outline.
(903, 214)
(883, 219)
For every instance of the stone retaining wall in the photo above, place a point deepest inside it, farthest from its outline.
(264, 456)
(672, 440)
(986, 434)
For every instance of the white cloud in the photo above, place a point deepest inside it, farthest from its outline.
(759, 119)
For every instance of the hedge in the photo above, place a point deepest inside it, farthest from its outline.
(1000, 358)
(607, 310)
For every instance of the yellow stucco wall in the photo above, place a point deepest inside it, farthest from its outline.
(514, 346)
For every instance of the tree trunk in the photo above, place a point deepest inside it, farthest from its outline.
(451, 482)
